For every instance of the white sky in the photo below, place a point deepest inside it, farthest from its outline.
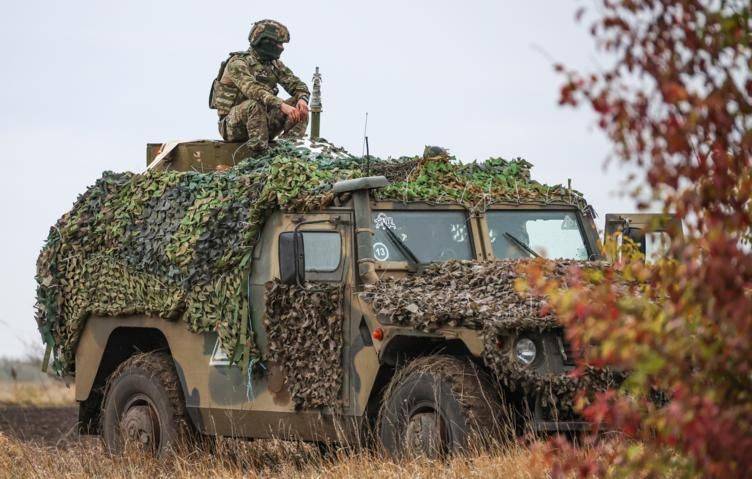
(86, 84)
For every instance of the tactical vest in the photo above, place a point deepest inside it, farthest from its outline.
(223, 96)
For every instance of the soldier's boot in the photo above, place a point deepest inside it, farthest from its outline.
(295, 130)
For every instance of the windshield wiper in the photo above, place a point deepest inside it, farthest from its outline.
(521, 245)
(406, 252)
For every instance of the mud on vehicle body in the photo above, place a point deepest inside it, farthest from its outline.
(368, 314)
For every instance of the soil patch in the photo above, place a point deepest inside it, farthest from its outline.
(51, 426)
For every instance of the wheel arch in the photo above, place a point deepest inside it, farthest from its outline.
(105, 344)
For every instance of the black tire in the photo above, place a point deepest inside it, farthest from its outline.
(144, 406)
(438, 405)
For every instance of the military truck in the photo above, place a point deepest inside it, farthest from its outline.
(426, 386)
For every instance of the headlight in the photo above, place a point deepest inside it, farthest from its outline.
(525, 351)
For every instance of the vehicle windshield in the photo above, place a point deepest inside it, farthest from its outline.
(429, 235)
(525, 234)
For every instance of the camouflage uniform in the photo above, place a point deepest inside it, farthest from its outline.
(246, 100)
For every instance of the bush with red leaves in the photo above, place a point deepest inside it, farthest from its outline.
(677, 102)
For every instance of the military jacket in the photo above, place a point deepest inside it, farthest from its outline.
(247, 76)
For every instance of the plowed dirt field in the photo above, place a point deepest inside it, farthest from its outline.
(50, 426)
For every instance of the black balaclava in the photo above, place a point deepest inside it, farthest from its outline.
(269, 49)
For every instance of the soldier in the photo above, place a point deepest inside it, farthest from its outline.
(245, 91)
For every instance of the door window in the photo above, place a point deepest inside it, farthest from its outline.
(323, 251)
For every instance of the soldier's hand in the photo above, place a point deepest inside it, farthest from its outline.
(291, 112)
(303, 108)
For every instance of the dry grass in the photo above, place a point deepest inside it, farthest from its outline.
(257, 459)
(47, 392)
(22, 383)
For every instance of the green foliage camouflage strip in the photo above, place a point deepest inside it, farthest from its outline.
(488, 296)
(177, 245)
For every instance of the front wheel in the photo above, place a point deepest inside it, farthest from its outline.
(438, 405)
(144, 406)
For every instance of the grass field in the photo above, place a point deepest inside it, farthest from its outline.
(254, 459)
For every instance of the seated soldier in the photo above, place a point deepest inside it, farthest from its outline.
(245, 91)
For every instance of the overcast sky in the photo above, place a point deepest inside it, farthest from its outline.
(86, 84)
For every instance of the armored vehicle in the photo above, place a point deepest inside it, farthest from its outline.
(388, 305)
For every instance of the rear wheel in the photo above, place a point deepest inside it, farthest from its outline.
(144, 406)
(438, 405)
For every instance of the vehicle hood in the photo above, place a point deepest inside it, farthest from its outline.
(486, 296)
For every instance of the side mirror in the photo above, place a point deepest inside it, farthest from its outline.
(291, 258)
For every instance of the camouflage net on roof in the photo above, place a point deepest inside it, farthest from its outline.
(178, 244)
(483, 296)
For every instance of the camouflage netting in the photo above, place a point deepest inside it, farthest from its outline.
(178, 244)
(482, 295)
(304, 328)
(461, 293)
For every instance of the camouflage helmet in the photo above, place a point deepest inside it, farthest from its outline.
(268, 29)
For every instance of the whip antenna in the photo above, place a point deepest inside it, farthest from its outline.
(366, 146)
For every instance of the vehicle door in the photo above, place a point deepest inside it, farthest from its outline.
(327, 252)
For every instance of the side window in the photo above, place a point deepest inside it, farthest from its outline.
(323, 251)
(657, 246)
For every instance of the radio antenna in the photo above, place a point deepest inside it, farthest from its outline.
(366, 146)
